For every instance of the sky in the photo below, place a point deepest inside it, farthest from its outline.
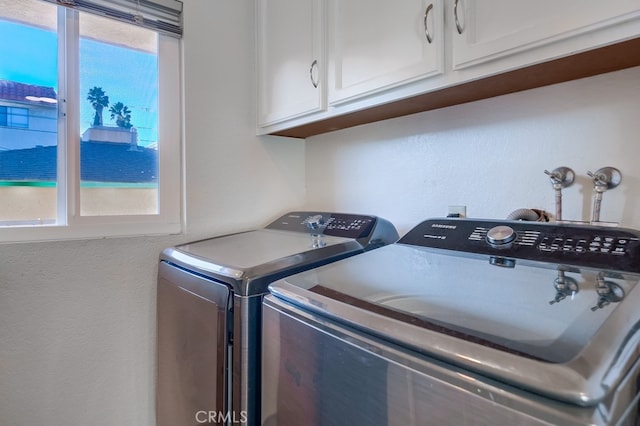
(29, 55)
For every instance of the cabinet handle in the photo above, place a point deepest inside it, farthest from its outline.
(314, 81)
(426, 23)
(459, 27)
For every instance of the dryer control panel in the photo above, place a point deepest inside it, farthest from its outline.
(579, 245)
(335, 224)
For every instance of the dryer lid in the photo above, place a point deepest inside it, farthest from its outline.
(298, 240)
(246, 260)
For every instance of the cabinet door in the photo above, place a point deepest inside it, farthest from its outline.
(290, 59)
(484, 30)
(380, 44)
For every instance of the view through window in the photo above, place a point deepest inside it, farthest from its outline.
(28, 112)
(119, 118)
(117, 104)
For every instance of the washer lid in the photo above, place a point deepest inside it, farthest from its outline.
(248, 261)
(507, 323)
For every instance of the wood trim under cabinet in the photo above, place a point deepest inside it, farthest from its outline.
(586, 64)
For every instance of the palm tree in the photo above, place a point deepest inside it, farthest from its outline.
(122, 114)
(99, 100)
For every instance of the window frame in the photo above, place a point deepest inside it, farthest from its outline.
(70, 224)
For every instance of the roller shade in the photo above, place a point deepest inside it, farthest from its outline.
(164, 16)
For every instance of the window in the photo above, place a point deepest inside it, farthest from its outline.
(14, 117)
(85, 146)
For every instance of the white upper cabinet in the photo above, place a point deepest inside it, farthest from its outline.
(486, 30)
(374, 45)
(291, 80)
(325, 65)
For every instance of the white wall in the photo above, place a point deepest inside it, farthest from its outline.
(232, 178)
(77, 318)
(489, 155)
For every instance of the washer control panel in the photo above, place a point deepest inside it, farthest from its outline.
(579, 245)
(334, 224)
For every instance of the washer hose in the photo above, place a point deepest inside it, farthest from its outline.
(525, 214)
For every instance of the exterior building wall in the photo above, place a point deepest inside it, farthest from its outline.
(110, 134)
(42, 130)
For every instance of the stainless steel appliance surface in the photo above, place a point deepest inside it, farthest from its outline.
(461, 322)
(209, 308)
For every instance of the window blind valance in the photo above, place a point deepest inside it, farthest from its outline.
(164, 16)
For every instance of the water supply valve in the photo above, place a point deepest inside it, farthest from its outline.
(561, 177)
(603, 179)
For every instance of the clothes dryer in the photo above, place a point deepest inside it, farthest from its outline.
(209, 308)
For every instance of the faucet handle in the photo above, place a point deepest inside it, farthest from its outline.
(605, 178)
(561, 177)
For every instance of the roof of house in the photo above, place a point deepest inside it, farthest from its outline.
(99, 162)
(18, 92)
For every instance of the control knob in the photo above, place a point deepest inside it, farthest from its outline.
(500, 235)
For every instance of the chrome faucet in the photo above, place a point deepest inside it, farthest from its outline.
(561, 177)
(603, 179)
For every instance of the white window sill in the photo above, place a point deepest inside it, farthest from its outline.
(36, 233)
